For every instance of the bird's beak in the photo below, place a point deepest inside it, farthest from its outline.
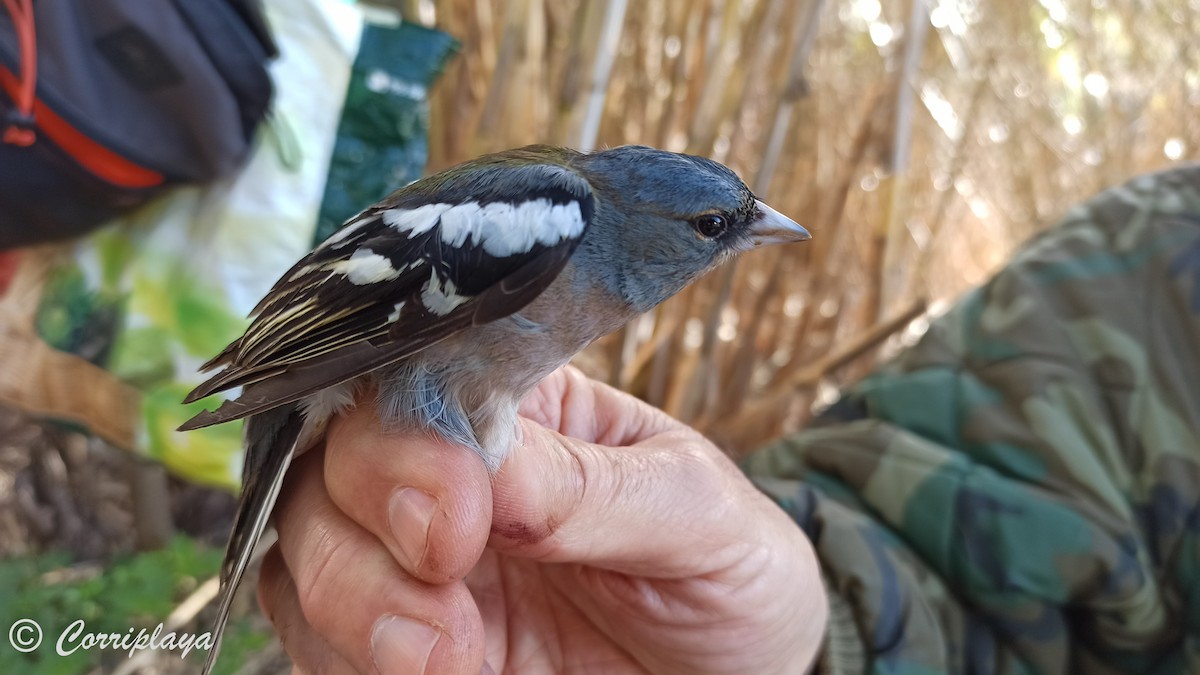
(772, 227)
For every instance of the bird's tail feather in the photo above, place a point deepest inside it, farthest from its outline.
(271, 439)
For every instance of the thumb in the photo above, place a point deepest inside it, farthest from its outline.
(660, 506)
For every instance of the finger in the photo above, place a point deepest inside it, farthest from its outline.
(427, 500)
(575, 405)
(353, 593)
(277, 595)
(665, 506)
(492, 595)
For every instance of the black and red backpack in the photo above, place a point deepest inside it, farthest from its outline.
(107, 103)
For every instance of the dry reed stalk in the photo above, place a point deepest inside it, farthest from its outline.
(954, 167)
(793, 88)
(487, 134)
(894, 271)
(581, 39)
(610, 34)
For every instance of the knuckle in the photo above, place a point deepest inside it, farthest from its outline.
(318, 585)
(701, 467)
(529, 508)
(457, 606)
(273, 582)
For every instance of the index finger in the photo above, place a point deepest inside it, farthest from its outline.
(427, 500)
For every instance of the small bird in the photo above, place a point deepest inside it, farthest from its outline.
(455, 295)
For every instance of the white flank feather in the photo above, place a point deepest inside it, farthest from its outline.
(364, 267)
(440, 297)
(323, 404)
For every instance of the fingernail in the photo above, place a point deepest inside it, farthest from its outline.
(519, 435)
(399, 643)
(409, 513)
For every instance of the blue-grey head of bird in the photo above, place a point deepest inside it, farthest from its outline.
(673, 218)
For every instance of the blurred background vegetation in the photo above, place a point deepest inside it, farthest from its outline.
(919, 141)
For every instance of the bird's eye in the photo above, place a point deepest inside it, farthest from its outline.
(711, 225)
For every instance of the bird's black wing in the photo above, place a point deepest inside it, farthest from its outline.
(456, 250)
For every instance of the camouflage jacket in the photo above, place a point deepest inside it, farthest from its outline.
(1020, 491)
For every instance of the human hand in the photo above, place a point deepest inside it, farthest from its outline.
(614, 539)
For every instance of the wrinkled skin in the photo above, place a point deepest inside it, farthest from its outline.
(614, 539)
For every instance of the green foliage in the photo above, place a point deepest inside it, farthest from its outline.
(204, 456)
(243, 639)
(76, 319)
(137, 591)
(191, 311)
(142, 357)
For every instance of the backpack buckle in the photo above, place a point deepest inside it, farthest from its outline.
(19, 128)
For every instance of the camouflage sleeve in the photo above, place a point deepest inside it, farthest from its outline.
(1020, 491)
